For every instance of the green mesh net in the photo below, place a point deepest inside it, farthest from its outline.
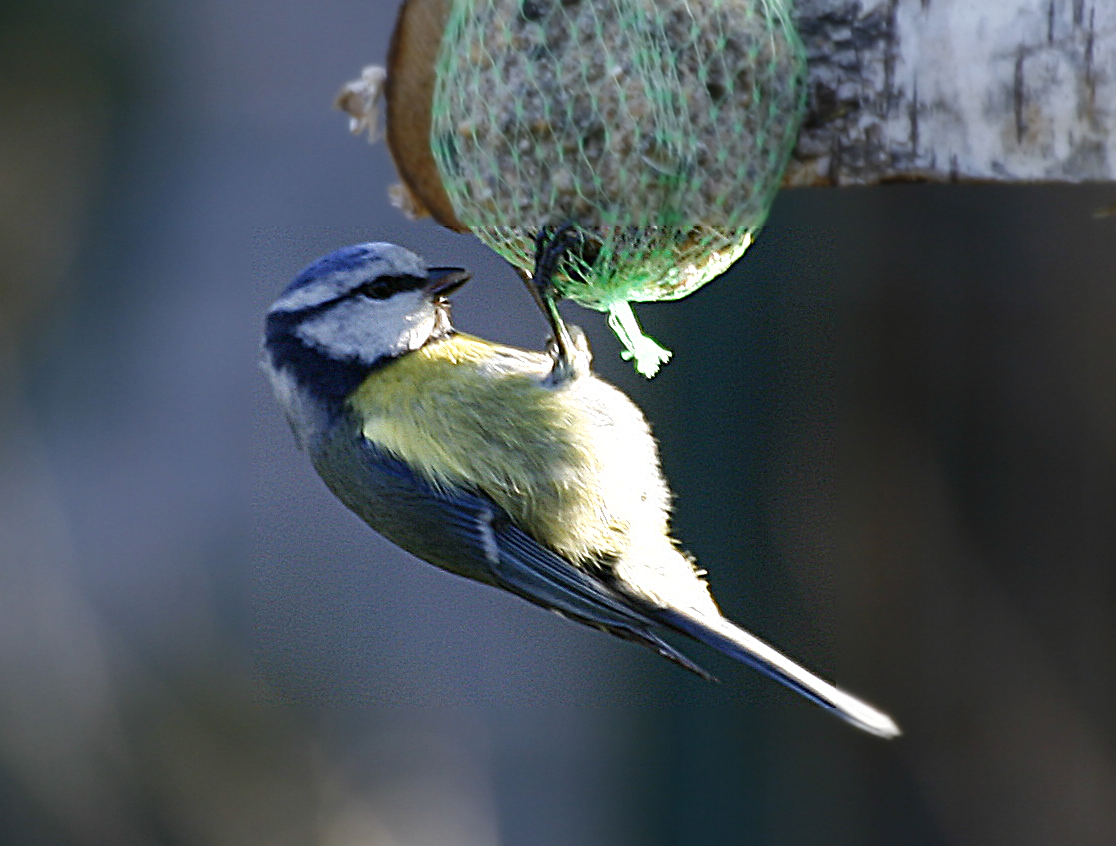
(659, 128)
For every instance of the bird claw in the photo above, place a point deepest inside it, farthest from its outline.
(574, 362)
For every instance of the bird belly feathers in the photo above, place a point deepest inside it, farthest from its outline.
(573, 463)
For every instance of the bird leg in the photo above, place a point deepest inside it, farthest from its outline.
(552, 243)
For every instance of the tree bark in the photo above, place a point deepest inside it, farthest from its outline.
(958, 90)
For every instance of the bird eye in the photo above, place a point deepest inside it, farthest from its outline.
(379, 288)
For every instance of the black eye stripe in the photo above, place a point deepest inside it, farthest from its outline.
(382, 287)
(370, 288)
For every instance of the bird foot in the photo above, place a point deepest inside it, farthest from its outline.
(574, 362)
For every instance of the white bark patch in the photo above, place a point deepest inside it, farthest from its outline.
(1002, 90)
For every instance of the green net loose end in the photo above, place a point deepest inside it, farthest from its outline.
(648, 355)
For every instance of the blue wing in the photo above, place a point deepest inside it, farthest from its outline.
(465, 532)
(538, 575)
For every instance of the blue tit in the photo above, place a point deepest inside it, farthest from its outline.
(518, 469)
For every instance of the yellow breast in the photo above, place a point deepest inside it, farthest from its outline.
(464, 412)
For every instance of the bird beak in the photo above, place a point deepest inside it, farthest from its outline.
(443, 281)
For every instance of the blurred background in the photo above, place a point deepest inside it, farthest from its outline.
(891, 430)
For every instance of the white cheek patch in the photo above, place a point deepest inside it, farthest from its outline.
(366, 329)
